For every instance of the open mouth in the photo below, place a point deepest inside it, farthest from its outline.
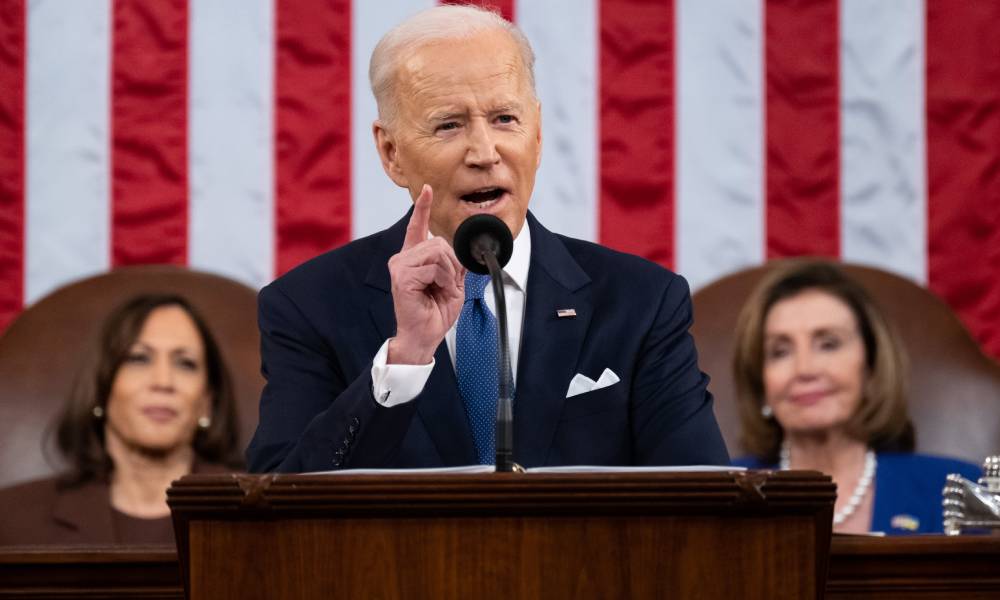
(484, 196)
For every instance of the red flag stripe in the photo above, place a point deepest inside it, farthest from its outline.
(802, 146)
(636, 132)
(12, 82)
(149, 75)
(312, 119)
(963, 162)
(505, 7)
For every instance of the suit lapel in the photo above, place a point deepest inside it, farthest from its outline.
(441, 410)
(443, 414)
(550, 345)
(377, 279)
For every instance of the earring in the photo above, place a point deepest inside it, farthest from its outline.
(98, 412)
(204, 422)
(766, 411)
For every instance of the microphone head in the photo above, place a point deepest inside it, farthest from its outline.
(483, 233)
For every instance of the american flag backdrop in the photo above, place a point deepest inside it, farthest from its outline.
(234, 136)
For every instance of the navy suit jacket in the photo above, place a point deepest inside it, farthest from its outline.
(322, 323)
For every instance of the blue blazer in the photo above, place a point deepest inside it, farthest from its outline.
(322, 323)
(907, 490)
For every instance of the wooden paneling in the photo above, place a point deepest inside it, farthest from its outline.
(510, 557)
(635, 535)
(91, 572)
(919, 568)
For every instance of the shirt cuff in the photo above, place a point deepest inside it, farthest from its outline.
(397, 384)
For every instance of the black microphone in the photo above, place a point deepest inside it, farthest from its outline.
(483, 244)
(481, 234)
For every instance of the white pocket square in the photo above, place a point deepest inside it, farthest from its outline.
(581, 384)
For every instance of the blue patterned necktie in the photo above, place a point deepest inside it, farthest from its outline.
(476, 357)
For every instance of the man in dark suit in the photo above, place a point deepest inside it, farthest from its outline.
(363, 347)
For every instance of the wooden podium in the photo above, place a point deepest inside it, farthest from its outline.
(511, 536)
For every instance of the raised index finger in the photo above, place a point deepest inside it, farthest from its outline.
(416, 229)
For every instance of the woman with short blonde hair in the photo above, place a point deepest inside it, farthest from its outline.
(820, 377)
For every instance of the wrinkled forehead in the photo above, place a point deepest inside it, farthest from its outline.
(486, 58)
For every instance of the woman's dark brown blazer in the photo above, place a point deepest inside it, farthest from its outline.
(43, 512)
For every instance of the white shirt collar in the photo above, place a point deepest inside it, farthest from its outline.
(517, 267)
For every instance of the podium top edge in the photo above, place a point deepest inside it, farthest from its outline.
(497, 493)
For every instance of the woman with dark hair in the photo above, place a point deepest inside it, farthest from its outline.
(155, 404)
(820, 378)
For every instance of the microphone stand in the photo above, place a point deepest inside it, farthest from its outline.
(505, 398)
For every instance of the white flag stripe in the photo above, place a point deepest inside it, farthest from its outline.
(377, 202)
(563, 34)
(883, 156)
(720, 170)
(230, 124)
(720, 138)
(67, 160)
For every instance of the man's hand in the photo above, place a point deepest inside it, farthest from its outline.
(428, 289)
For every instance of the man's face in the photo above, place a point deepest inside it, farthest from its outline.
(468, 125)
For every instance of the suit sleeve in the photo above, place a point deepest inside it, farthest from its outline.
(314, 416)
(672, 418)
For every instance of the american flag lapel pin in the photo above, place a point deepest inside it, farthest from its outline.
(566, 312)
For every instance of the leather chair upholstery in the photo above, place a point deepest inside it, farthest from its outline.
(954, 389)
(44, 349)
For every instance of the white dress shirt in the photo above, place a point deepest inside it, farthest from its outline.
(396, 384)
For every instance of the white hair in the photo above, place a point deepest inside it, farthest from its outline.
(444, 22)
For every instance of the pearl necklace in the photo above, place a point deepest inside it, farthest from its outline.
(860, 490)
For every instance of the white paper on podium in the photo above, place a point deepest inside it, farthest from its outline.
(465, 469)
(611, 469)
(473, 469)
